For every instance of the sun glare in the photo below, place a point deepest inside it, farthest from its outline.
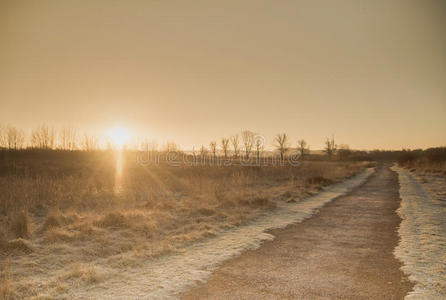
(119, 136)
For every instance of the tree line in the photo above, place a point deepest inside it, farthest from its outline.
(46, 137)
(244, 144)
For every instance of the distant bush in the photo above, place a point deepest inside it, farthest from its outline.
(436, 154)
(429, 160)
(407, 157)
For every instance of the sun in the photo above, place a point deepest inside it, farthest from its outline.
(119, 136)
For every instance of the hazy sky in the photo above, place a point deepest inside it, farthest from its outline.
(371, 72)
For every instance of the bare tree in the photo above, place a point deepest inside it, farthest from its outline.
(258, 143)
(15, 138)
(3, 139)
(43, 137)
(51, 137)
(20, 140)
(213, 147)
(248, 141)
(149, 146)
(281, 143)
(225, 146)
(89, 143)
(302, 147)
(330, 147)
(203, 152)
(67, 139)
(37, 140)
(194, 155)
(235, 144)
(171, 147)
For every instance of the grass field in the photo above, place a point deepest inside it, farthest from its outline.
(61, 212)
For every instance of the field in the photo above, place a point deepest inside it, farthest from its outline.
(63, 212)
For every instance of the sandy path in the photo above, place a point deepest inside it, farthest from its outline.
(343, 252)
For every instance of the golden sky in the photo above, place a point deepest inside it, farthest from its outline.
(373, 73)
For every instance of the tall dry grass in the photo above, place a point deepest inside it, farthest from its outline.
(62, 212)
(6, 292)
(432, 160)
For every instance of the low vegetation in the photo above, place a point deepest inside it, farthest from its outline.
(432, 160)
(61, 212)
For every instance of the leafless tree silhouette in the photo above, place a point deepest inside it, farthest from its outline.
(15, 138)
(235, 144)
(258, 143)
(248, 141)
(330, 146)
(194, 155)
(213, 147)
(281, 143)
(43, 137)
(171, 147)
(67, 138)
(149, 146)
(89, 143)
(225, 146)
(3, 139)
(303, 148)
(203, 151)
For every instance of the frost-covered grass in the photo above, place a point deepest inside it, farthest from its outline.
(61, 213)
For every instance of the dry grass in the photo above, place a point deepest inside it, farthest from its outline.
(3, 238)
(17, 245)
(87, 273)
(6, 292)
(431, 160)
(60, 215)
(19, 224)
(425, 166)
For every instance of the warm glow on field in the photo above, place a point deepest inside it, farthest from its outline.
(119, 136)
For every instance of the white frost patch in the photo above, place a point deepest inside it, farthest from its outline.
(422, 246)
(169, 275)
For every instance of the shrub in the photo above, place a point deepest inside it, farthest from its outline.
(436, 155)
(407, 157)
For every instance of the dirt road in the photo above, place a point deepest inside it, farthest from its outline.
(345, 251)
